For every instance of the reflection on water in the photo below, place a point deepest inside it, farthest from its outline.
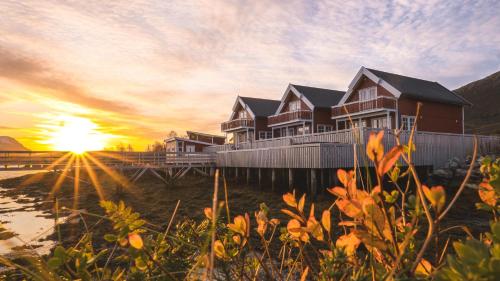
(22, 223)
(15, 174)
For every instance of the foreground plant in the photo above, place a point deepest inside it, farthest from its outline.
(388, 230)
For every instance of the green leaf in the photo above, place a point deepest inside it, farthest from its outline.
(54, 263)
(110, 237)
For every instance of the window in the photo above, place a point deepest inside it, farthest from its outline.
(291, 132)
(294, 105)
(407, 122)
(381, 123)
(324, 128)
(242, 114)
(356, 124)
(265, 135)
(368, 94)
(303, 130)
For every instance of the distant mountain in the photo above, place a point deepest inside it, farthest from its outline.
(484, 116)
(8, 143)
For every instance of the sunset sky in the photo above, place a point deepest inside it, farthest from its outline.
(138, 69)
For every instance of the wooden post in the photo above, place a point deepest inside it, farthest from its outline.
(273, 179)
(236, 174)
(248, 176)
(323, 181)
(212, 171)
(260, 177)
(290, 179)
(314, 183)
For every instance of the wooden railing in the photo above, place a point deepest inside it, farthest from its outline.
(59, 159)
(298, 115)
(237, 123)
(360, 106)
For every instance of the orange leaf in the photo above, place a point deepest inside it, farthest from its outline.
(338, 191)
(135, 240)
(374, 148)
(325, 220)
(294, 228)
(487, 194)
(311, 211)
(315, 229)
(219, 250)
(302, 201)
(343, 177)
(292, 214)
(424, 268)
(208, 213)
(239, 225)
(348, 208)
(290, 200)
(349, 242)
(389, 160)
(304, 274)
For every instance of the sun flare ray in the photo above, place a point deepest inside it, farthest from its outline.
(112, 173)
(61, 177)
(39, 176)
(93, 177)
(76, 190)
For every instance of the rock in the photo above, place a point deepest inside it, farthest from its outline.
(460, 172)
(443, 173)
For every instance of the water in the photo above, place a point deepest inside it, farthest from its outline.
(24, 227)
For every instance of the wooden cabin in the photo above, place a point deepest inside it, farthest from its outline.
(378, 99)
(194, 142)
(248, 120)
(304, 110)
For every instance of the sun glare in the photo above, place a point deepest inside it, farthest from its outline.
(77, 135)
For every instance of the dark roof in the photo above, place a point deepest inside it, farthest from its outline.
(320, 97)
(420, 89)
(261, 107)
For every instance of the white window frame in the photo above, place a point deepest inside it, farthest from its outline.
(378, 122)
(323, 128)
(265, 135)
(304, 130)
(294, 105)
(406, 122)
(367, 94)
(242, 114)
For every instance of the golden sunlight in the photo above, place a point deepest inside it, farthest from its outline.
(76, 134)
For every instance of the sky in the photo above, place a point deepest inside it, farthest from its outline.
(139, 69)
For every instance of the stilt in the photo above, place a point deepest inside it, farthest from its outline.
(290, 179)
(308, 181)
(248, 176)
(322, 180)
(260, 177)
(273, 179)
(236, 174)
(212, 171)
(314, 183)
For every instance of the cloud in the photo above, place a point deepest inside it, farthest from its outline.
(36, 74)
(148, 66)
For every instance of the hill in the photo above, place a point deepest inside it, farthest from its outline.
(484, 116)
(8, 143)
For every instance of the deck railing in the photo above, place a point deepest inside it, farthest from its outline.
(360, 106)
(298, 115)
(237, 123)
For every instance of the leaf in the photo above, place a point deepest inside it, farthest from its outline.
(373, 215)
(315, 229)
(54, 263)
(348, 208)
(208, 213)
(394, 174)
(325, 220)
(424, 268)
(389, 160)
(436, 196)
(219, 250)
(302, 201)
(110, 237)
(304, 274)
(135, 240)
(374, 148)
(239, 226)
(487, 194)
(293, 215)
(338, 191)
(294, 228)
(349, 243)
(343, 177)
(289, 199)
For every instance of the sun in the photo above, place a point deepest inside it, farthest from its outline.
(76, 134)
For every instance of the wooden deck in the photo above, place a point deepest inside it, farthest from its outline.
(336, 150)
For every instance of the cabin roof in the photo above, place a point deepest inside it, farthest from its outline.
(205, 134)
(419, 88)
(172, 139)
(320, 97)
(261, 107)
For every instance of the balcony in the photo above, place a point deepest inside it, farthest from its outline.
(361, 106)
(291, 116)
(235, 124)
